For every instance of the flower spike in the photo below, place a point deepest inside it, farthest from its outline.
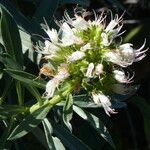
(86, 53)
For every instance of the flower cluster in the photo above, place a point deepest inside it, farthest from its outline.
(88, 52)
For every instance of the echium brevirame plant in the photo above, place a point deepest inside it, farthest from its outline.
(87, 54)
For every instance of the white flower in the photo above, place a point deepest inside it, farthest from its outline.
(125, 55)
(90, 69)
(77, 55)
(54, 83)
(99, 69)
(121, 77)
(68, 36)
(131, 55)
(140, 53)
(50, 48)
(105, 40)
(98, 19)
(62, 72)
(77, 22)
(53, 35)
(113, 23)
(111, 31)
(51, 87)
(100, 98)
(127, 52)
(85, 47)
(116, 58)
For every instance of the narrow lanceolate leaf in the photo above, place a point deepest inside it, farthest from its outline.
(68, 111)
(96, 123)
(26, 78)
(53, 142)
(34, 91)
(46, 10)
(20, 93)
(132, 34)
(26, 41)
(9, 62)
(48, 131)
(41, 139)
(7, 111)
(30, 122)
(58, 143)
(11, 36)
(68, 139)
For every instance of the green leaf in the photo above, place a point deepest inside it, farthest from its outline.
(68, 139)
(96, 123)
(79, 2)
(26, 78)
(42, 139)
(8, 111)
(20, 93)
(35, 93)
(46, 10)
(132, 34)
(9, 62)
(58, 143)
(68, 111)
(28, 48)
(29, 122)
(33, 56)
(53, 143)
(26, 41)
(11, 36)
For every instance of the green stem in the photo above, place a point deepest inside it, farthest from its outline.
(55, 100)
